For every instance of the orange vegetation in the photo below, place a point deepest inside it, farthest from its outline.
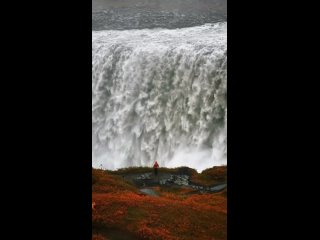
(210, 176)
(171, 216)
(98, 237)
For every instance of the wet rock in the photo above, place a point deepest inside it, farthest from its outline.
(181, 180)
(144, 176)
(163, 181)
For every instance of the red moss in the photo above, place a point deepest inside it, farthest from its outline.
(171, 216)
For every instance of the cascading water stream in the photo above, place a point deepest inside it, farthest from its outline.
(160, 94)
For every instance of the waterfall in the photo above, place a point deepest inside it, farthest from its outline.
(160, 94)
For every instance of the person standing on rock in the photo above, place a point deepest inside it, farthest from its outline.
(155, 167)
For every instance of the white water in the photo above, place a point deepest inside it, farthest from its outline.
(160, 94)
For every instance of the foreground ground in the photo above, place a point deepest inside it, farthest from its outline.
(134, 204)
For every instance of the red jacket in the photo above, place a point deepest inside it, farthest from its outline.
(156, 165)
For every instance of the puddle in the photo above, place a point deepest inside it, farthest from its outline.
(149, 192)
(219, 187)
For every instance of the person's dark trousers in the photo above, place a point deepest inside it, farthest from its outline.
(156, 171)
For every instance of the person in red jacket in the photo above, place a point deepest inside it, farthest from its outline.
(155, 167)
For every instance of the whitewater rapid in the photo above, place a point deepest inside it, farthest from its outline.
(160, 94)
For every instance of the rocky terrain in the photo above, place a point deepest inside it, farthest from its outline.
(171, 180)
(176, 204)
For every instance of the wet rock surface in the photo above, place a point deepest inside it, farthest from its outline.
(144, 176)
(175, 180)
